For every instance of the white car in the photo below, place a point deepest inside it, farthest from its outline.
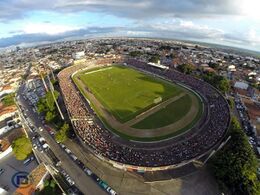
(68, 150)
(86, 170)
(70, 181)
(45, 146)
(35, 146)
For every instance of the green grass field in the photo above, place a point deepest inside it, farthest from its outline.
(166, 116)
(126, 92)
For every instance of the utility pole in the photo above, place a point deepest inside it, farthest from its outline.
(51, 86)
(52, 74)
(44, 83)
(52, 92)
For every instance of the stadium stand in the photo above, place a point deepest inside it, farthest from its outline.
(205, 137)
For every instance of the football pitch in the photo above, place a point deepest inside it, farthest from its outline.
(139, 106)
(126, 92)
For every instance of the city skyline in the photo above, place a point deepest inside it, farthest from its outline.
(231, 23)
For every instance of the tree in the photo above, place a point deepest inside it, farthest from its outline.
(213, 65)
(154, 59)
(223, 85)
(62, 134)
(52, 183)
(231, 102)
(236, 164)
(49, 99)
(186, 68)
(50, 116)
(41, 106)
(47, 106)
(22, 147)
(217, 81)
(135, 53)
(47, 102)
(8, 100)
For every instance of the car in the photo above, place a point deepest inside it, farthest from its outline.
(35, 146)
(86, 170)
(45, 146)
(67, 150)
(103, 184)
(41, 139)
(71, 182)
(112, 192)
(73, 157)
(28, 161)
(2, 171)
(33, 129)
(81, 165)
(64, 173)
(95, 177)
(40, 128)
(62, 145)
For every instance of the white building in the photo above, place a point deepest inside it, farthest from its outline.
(241, 85)
(78, 55)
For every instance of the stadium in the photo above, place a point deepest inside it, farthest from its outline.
(140, 117)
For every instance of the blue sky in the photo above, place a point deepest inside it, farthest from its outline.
(228, 22)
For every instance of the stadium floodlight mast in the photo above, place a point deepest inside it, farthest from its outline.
(51, 86)
(56, 103)
(42, 78)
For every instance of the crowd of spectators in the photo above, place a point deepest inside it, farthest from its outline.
(101, 141)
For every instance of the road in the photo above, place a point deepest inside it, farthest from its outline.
(82, 181)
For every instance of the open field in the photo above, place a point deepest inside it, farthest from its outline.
(167, 115)
(126, 92)
(123, 98)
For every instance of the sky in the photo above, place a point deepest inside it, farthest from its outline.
(227, 22)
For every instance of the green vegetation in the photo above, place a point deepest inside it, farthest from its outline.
(50, 188)
(22, 147)
(135, 53)
(154, 59)
(235, 166)
(231, 102)
(47, 106)
(213, 65)
(217, 81)
(126, 92)
(168, 115)
(62, 134)
(8, 100)
(185, 68)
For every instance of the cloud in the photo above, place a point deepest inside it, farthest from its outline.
(186, 29)
(47, 28)
(174, 28)
(135, 9)
(44, 37)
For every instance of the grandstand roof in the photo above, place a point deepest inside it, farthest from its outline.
(158, 66)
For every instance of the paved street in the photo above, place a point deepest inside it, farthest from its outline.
(127, 183)
(82, 181)
(11, 166)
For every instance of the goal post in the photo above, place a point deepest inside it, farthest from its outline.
(157, 100)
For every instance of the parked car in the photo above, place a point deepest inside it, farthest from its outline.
(2, 171)
(28, 161)
(111, 191)
(86, 170)
(70, 181)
